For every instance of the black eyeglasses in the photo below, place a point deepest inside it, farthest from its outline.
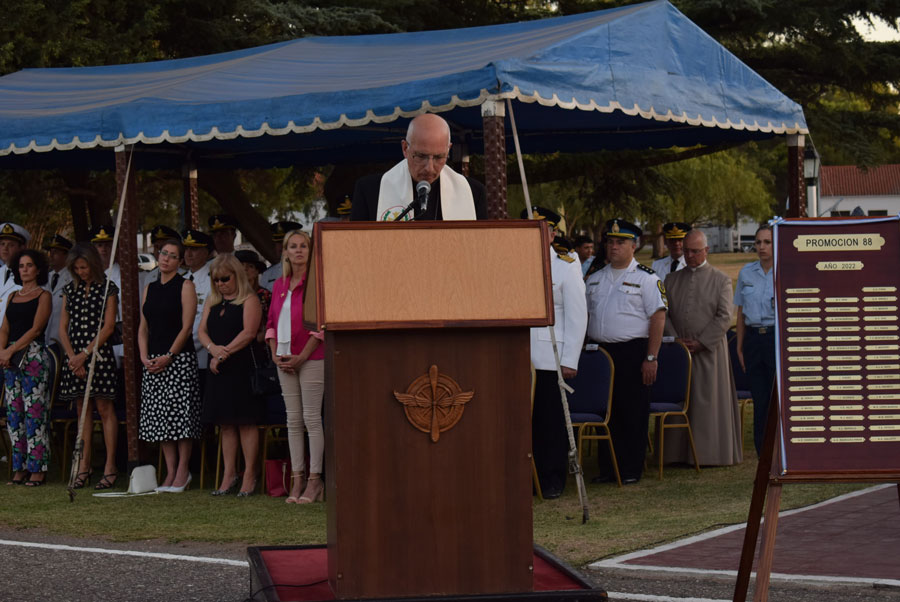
(222, 279)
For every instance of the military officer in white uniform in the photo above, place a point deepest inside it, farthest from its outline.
(674, 233)
(626, 304)
(197, 250)
(59, 276)
(279, 229)
(13, 238)
(550, 442)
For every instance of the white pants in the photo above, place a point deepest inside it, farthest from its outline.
(303, 394)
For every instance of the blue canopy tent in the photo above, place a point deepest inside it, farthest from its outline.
(641, 76)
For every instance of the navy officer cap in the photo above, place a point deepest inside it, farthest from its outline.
(552, 217)
(619, 228)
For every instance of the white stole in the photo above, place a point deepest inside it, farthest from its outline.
(396, 192)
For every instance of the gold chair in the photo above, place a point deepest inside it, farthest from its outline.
(741, 382)
(590, 406)
(670, 396)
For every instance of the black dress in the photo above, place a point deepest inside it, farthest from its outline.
(228, 399)
(170, 400)
(85, 309)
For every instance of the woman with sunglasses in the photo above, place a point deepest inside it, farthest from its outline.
(299, 355)
(26, 362)
(229, 324)
(170, 387)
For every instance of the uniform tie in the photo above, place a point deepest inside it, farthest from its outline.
(6, 277)
(674, 266)
(191, 276)
(54, 281)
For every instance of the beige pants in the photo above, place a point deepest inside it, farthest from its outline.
(302, 394)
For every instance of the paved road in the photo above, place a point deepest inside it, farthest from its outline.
(39, 573)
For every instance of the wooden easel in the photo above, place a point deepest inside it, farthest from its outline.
(767, 487)
(771, 475)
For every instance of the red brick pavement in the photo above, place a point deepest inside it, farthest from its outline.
(854, 537)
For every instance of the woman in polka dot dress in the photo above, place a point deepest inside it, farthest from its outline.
(80, 316)
(170, 387)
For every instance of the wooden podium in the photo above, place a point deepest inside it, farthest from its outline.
(427, 419)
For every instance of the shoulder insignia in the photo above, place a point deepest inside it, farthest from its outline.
(565, 257)
(644, 268)
(662, 291)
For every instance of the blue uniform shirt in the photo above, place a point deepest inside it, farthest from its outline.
(755, 293)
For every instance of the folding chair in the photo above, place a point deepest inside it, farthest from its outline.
(590, 406)
(670, 396)
(741, 382)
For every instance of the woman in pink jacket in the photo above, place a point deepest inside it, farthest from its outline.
(299, 355)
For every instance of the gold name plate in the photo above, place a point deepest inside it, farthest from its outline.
(839, 242)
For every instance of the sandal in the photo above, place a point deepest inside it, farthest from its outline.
(301, 476)
(81, 479)
(105, 483)
(30, 483)
(314, 492)
(15, 481)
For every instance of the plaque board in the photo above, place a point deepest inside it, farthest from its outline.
(838, 348)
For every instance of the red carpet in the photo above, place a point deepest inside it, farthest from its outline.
(301, 574)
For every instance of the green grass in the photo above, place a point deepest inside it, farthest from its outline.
(622, 520)
(634, 517)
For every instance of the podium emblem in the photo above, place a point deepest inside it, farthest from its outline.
(434, 402)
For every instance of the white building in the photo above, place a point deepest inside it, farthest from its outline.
(843, 188)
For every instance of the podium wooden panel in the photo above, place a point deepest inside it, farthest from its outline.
(407, 515)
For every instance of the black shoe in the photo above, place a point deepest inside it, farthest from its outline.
(552, 494)
(630, 481)
(604, 478)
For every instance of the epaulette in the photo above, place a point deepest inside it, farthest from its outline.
(565, 257)
(641, 266)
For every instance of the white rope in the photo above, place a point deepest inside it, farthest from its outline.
(95, 353)
(574, 465)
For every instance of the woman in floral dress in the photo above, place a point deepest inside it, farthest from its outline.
(26, 361)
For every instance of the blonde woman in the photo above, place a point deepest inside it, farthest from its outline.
(229, 323)
(83, 311)
(299, 355)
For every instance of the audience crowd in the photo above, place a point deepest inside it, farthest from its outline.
(212, 317)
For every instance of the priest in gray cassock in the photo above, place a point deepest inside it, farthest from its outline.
(700, 306)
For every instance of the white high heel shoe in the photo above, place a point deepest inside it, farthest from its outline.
(174, 489)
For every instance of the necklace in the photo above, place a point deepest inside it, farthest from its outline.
(22, 292)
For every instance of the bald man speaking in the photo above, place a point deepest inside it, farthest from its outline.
(423, 174)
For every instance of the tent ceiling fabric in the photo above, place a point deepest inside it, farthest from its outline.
(641, 76)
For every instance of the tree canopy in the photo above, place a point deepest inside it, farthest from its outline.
(809, 49)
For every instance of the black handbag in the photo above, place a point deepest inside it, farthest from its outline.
(18, 358)
(263, 377)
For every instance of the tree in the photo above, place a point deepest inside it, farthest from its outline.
(812, 52)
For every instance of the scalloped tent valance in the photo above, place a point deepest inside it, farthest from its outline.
(642, 76)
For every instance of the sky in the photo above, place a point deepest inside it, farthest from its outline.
(881, 32)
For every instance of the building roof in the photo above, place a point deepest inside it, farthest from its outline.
(849, 180)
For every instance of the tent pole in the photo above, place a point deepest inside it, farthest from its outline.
(796, 182)
(130, 302)
(493, 115)
(574, 465)
(190, 203)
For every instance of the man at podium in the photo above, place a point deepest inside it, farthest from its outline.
(422, 182)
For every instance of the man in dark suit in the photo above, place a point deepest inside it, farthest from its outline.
(383, 197)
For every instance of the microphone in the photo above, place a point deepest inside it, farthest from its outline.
(423, 189)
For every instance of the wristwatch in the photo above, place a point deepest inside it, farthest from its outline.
(651, 358)
(169, 354)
